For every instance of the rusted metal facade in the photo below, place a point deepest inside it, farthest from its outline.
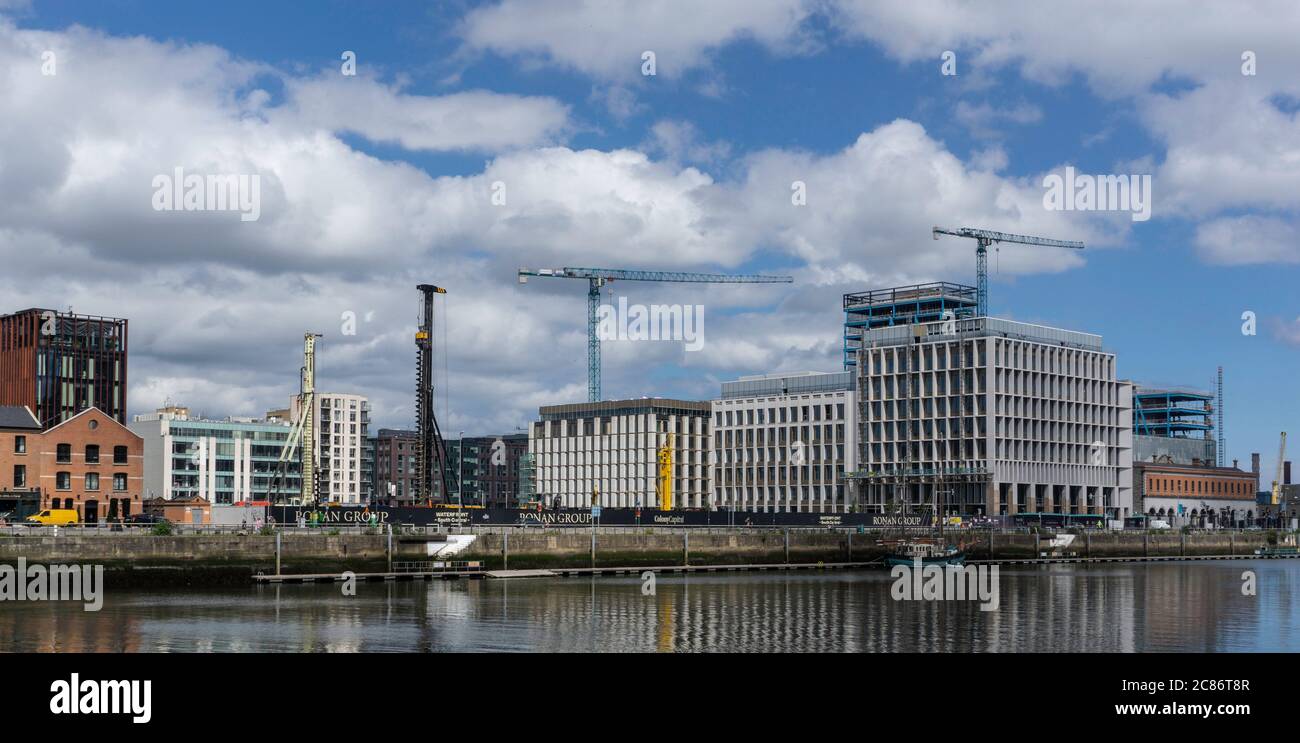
(59, 364)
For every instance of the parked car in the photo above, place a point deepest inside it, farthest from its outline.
(145, 518)
(1159, 524)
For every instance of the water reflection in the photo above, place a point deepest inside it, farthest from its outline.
(1168, 607)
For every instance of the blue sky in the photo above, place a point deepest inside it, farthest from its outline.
(747, 94)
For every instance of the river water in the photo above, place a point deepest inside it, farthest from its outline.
(1164, 607)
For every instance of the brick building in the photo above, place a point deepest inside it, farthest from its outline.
(1195, 494)
(89, 463)
(19, 435)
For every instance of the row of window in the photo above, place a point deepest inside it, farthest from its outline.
(63, 480)
(63, 452)
(782, 414)
(1201, 487)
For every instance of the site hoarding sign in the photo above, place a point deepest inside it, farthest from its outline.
(450, 517)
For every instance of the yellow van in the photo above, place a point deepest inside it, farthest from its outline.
(54, 517)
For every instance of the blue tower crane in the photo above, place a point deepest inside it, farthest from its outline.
(598, 277)
(985, 238)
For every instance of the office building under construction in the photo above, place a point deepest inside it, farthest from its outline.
(1174, 421)
(904, 305)
(978, 416)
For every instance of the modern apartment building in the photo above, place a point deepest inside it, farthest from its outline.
(395, 460)
(984, 416)
(342, 423)
(784, 442)
(611, 448)
(59, 364)
(487, 469)
(221, 461)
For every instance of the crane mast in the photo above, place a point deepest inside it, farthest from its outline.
(599, 277)
(431, 450)
(302, 437)
(985, 238)
(1277, 483)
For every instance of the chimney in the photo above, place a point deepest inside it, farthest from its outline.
(1254, 462)
(1234, 465)
(1286, 472)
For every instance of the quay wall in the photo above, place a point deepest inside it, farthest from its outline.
(196, 559)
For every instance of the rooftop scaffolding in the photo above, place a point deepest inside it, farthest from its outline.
(1176, 412)
(902, 305)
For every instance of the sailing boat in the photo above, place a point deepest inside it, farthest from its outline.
(928, 550)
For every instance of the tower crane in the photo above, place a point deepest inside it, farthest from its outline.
(985, 238)
(431, 449)
(598, 277)
(303, 434)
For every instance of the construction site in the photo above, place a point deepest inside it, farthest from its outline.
(956, 414)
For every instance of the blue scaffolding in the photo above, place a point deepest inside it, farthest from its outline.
(1173, 413)
(902, 305)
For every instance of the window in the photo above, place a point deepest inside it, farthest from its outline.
(119, 455)
(119, 481)
(20, 475)
(92, 454)
(63, 481)
(20, 445)
(64, 454)
(92, 481)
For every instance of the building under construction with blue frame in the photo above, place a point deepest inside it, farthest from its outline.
(1174, 412)
(903, 305)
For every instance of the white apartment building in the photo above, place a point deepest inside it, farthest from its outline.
(342, 424)
(612, 447)
(784, 442)
(222, 461)
(985, 416)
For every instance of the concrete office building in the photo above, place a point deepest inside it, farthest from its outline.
(342, 423)
(784, 442)
(992, 417)
(221, 461)
(612, 447)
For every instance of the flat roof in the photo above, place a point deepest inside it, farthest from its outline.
(623, 407)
